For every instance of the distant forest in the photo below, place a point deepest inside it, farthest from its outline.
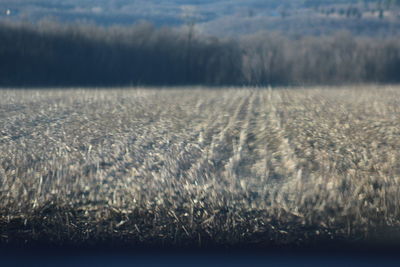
(52, 54)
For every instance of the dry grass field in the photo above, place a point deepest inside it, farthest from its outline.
(199, 166)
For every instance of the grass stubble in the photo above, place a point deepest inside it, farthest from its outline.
(198, 167)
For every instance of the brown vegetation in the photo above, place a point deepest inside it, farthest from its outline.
(199, 167)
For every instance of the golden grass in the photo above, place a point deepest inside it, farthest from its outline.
(198, 166)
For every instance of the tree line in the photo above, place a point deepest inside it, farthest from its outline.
(52, 54)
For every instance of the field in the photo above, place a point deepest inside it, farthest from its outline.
(200, 167)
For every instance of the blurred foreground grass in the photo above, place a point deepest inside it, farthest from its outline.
(200, 167)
